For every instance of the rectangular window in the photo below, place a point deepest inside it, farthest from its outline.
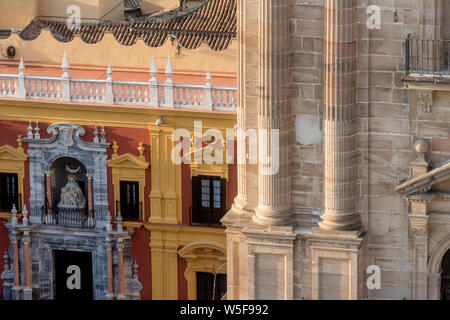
(206, 290)
(208, 200)
(130, 207)
(9, 192)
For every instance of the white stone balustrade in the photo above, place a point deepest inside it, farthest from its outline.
(167, 94)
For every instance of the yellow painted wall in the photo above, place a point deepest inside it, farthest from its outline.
(111, 10)
(108, 51)
(150, 6)
(89, 8)
(17, 13)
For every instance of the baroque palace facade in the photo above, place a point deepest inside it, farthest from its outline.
(356, 92)
(90, 197)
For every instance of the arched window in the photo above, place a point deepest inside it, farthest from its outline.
(445, 277)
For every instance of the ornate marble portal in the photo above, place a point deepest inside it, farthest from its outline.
(34, 242)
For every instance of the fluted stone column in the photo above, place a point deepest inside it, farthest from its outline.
(240, 204)
(340, 128)
(274, 113)
(28, 290)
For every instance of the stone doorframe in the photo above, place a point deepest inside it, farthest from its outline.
(202, 256)
(418, 191)
(434, 268)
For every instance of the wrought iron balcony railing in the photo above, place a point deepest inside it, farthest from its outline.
(206, 217)
(68, 217)
(427, 57)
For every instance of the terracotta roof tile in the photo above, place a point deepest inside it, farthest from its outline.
(214, 22)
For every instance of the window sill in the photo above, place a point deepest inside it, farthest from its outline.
(7, 216)
(132, 224)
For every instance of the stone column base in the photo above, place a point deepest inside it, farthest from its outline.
(270, 262)
(335, 264)
(27, 294)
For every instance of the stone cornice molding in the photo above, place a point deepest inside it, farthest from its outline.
(68, 135)
(9, 153)
(424, 183)
(128, 161)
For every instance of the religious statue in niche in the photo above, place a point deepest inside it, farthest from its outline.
(71, 194)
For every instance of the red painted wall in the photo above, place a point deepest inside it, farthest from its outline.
(9, 130)
(141, 252)
(128, 140)
(182, 282)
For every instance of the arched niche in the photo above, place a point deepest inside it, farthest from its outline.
(59, 176)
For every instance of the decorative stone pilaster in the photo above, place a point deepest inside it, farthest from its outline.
(274, 115)
(120, 271)
(28, 290)
(16, 288)
(340, 170)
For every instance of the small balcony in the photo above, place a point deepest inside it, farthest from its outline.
(130, 212)
(68, 217)
(206, 217)
(427, 60)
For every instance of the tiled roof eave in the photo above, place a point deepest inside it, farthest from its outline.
(199, 26)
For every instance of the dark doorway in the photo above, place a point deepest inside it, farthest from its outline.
(73, 275)
(445, 278)
(206, 289)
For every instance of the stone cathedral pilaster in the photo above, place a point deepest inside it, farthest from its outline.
(340, 171)
(274, 115)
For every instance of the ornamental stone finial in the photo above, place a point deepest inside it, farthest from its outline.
(421, 147)
(109, 72)
(108, 221)
(153, 68)
(19, 143)
(103, 135)
(14, 215)
(65, 65)
(21, 66)
(135, 270)
(420, 165)
(141, 150)
(119, 222)
(208, 78)
(37, 130)
(25, 215)
(30, 131)
(96, 139)
(169, 69)
(115, 148)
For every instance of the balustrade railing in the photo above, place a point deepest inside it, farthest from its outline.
(68, 217)
(152, 93)
(427, 57)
